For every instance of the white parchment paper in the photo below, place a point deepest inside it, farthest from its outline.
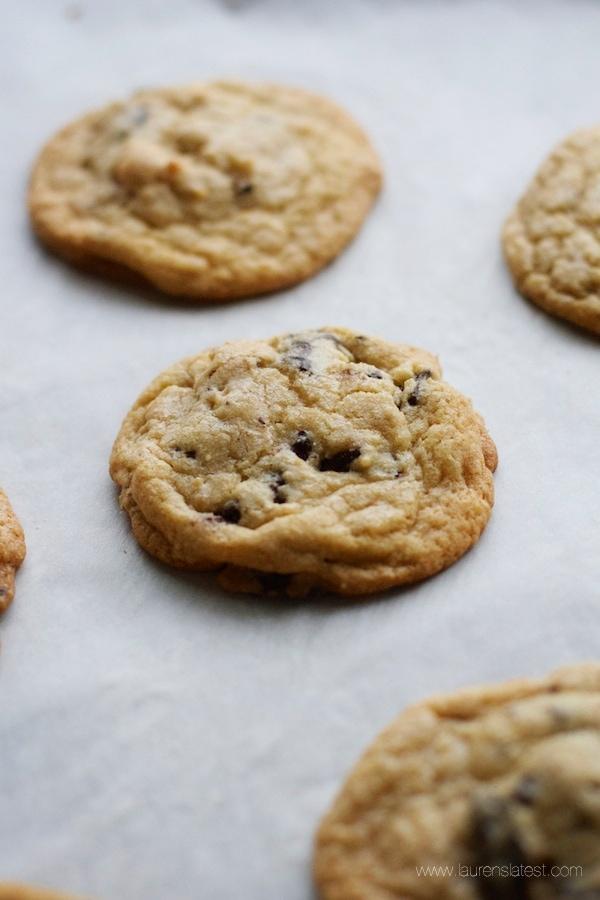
(160, 739)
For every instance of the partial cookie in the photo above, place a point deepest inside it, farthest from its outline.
(322, 458)
(12, 551)
(507, 775)
(22, 892)
(552, 239)
(208, 191)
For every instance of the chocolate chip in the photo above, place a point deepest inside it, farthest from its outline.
(230, 512)
(189, 454)
(339, 462)
(325, 335)
(527, 790)
(299, 362)
(242, 187)
(376, 375)
(420, 377)
(298, 355)
(277, 482)
(303, 445)
(273, 581)
(495, 844)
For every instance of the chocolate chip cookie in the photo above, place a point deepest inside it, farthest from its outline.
(552, 239)
(12, 551)
(208, 191)
(317, 459)
(462, 787)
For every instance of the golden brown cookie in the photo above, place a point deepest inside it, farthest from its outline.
(552, 238)
(23, 892)
(317, 459)
(12, 551)
(506, 775)
(208, 191)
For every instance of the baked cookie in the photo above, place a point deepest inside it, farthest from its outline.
(552, 239)
(12, 551)
(209, 191)
(499, 776)
(22, 892)
(323, 458)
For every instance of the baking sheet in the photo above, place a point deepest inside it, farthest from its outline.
(159, 738)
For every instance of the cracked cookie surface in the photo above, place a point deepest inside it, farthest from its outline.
(12, 551)
(209, 191)
(552, 238)
(487, 777)
(317, 459)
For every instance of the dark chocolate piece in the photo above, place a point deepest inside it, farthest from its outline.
(420, 377)
(230, 512)
(303, 445)
(339, 462)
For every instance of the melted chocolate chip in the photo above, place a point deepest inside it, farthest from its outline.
(496, 844)
(303, 445)
(230, 512)
(298, 357)
(339, 462)
(376, 375)
(325, 335)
